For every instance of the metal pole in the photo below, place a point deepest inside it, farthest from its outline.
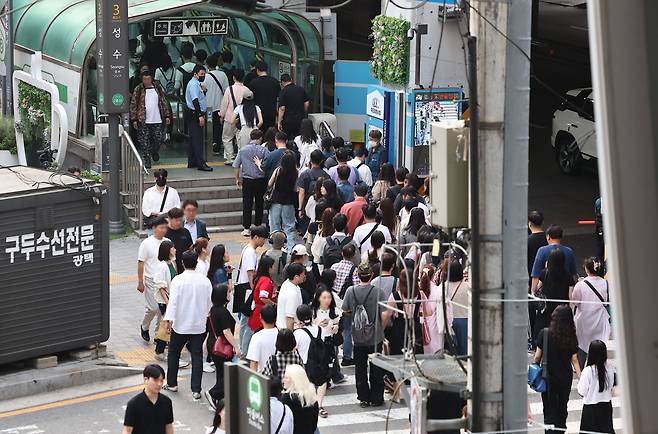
(515, 204)
(491, 61)
(421, 29)
(116, 213)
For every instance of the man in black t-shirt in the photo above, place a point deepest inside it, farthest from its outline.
(266, 91)
(293, 106)
(178, 235)
(150, 412)
(536, 239)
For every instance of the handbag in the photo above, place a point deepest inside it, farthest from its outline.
(222, 347)
(161, 333)
(238, 125)
(148, 220)
(538, 374)
(240, 290)
(269, 193)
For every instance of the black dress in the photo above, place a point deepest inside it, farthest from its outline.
(306, 418)
(553, 287)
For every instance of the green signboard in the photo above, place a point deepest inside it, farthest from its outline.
(247, 400)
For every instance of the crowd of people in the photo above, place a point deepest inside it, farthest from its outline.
(569, 328)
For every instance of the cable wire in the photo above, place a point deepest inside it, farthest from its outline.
(409, 8)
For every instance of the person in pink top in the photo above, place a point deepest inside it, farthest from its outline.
(354, 209)
(232, 98)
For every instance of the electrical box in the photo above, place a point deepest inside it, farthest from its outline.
(449, 174)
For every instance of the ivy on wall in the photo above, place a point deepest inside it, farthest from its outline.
(34, 106)
(390, 54)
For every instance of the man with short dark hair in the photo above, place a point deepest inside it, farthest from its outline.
(363, 233)
(293, 106)
(345, 189)
(386, 282)
(266, 91)
(232, 98)
(186, 315)
(251, 179)
(377, 152)
(272, 159)
(290, 296)
(227, 67)
(554, 238)
(195, 99)
(410, 182)
(263, 343)
(359, 163)
(537, 237)
(178, 235)
(150, 411)
(196, 226)
(342, 156)
(400, 175)
(216, 84)
(354, 210)
(160, 198)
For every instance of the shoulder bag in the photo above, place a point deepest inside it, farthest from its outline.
(538, 374)
(240, 291)
(238, 124)
(605, 306)
(148, 220)
(368, 236)
(222, 347)
(269, 193)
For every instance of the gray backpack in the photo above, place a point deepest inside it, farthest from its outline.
(363, 330)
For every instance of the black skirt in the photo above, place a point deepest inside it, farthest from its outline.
(597, 417)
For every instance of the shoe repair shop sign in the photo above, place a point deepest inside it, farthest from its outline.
(76, 241)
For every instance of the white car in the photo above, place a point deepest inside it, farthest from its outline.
(574, 136)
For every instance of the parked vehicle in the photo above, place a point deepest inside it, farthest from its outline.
(574, 134)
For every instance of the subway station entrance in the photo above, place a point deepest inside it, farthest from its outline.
(65, 32)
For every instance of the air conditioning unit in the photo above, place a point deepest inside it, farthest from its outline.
(449, 174)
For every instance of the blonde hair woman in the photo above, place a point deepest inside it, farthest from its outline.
(299, 394)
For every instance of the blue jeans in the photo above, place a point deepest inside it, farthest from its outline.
(245, 334)
(460, 327)
(282, 217)
(347, 337)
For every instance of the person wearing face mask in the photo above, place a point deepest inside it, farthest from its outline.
(195, 100)
(159, 199)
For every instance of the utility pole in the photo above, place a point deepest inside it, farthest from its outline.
(486, 369)
(499, 330)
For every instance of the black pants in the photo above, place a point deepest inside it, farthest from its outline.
(369, 388)
(253, 191)
(597, 417)
(195, 149)
(195, 347)
(217, 127)
(217, 391)
(160, 345)
(291, 127)
(555, 406)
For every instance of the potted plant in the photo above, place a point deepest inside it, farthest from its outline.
(8, 152)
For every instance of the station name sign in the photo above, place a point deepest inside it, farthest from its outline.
(113, 55)
(203, 26)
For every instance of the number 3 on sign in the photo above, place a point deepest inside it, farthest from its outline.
(116, 11)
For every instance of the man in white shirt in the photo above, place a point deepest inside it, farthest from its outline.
(359, 163)
(216, 83)
(263, 343)
(245, 281)
(188, 308)
(363, 233)
(232, 98)
(154, 202)
(147, 267)
(290, 296)
(409, 202)
(305, 316)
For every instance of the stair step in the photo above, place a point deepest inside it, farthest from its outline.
(201, 193)
(194, 182)
(209, 206)
(224, 229)
(221, 219)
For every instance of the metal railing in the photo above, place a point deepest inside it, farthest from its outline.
(324, 130)
(132, 177)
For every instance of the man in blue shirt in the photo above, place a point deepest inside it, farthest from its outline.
(251, 179)
(273, 158)
(195, 101)
(553, 237)
(377, 154)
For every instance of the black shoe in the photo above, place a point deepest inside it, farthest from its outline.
(145, 334)
(205, 168)
(347, 362)
(155, 156)
(364, 404)
(377, 404)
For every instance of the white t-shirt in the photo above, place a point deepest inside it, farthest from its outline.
(171, 75)
(243, 121)
(215, 93)
(152, 107)
(364, 171)
(588, 385)
(202, 267)
(322, 314)
(248, 262)
(262, 346)
(362, 231)
(304, 340)
(148, 254)
(290, 297)
(305, 150)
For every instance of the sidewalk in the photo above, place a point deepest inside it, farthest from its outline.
(127, 304)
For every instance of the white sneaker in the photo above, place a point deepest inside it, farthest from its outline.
(183, 363)
(196, 396)
(210, 400)
(246, 233)
(208, 367)
(170, 388)
(161, 357)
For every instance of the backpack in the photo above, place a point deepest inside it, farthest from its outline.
(333, 251)
(169, 82)
(187, 76)
(349, 281)
(317, 362)
(363, 330)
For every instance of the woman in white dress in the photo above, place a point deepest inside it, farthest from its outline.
(250, 118)
(307, 141)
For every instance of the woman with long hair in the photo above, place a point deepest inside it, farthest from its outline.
(220, 271)
(389, 218)
(410, 232)
(250, 118)
(263, 290)
(284, 196)
(329, 193)
(222, 325)
(436, 322)
(386, 180)
(326, 229)
(314, 199)
(595, 386)
(165, 272)
(372, 256)
(555, 282)
(200, 247)
(307, 141)
(299, 394)
(561, 351)
(269, 138)
(591, 317)
(313, 232)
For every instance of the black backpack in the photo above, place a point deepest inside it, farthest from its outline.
(319, 357)
(333, 251)
(187, 76)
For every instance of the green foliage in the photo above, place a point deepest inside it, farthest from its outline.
(34, 106)
(390, 54)
(88, 174)
(7, 135)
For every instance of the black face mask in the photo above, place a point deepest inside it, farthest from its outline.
(202, 78)
(161, 182)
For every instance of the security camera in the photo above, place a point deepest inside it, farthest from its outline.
(410, 33)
